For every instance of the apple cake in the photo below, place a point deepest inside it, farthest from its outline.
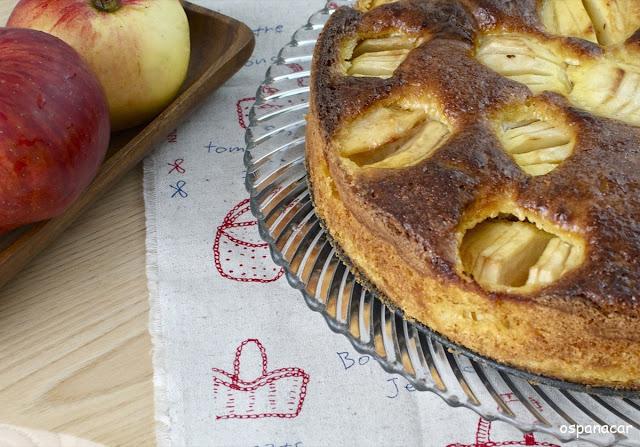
(477, 163)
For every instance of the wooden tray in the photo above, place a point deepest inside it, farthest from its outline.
(220, 46)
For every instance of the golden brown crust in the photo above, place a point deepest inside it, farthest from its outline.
(400, 227)
(580, 345)
(596, 192)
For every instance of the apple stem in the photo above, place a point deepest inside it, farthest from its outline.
(107, 5)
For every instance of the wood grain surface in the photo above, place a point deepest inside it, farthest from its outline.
(75, 355)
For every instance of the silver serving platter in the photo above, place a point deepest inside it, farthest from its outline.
(280, 199)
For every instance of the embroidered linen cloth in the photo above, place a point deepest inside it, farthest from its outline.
(239, 359)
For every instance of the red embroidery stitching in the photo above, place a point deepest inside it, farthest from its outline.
(173, 136)
(279, 393)
(483, 439)
(483, 431)
(176, 166)
(243, 106)
(297, 68)
(237, 239)
(242, 110)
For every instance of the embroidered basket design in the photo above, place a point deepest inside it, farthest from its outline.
(484, 428)
(279, 393)
(239, 253)
(243, 106)
(483, 438)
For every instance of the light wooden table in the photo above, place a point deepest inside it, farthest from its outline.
(75, 355)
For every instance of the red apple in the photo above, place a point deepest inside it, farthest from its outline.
(54, 126)
(138, 49)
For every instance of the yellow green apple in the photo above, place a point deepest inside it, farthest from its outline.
(138, 49)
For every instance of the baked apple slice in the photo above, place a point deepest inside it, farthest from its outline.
(568, 18)
(558, 258)
(421, 143)
(379, 126)
(379, 57)
(537, 146)
(501, 252)
(392, 136)
(367, 5)
(526, 60)
(379, 64)
(608, 88)
(614, 21)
